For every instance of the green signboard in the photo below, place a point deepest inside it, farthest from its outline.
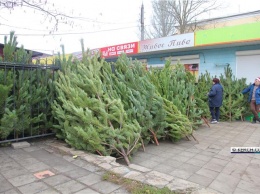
(231, 34)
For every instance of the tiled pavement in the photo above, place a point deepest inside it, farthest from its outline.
(209, 162)
(18, 168)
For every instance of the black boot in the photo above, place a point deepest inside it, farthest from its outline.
(258, 120)
(254, 120)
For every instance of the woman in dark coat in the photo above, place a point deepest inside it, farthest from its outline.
(215, 97)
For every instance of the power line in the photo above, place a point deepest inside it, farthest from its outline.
(72, 33)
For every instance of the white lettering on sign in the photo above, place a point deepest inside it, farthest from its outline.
(125, 46)
(165, 43)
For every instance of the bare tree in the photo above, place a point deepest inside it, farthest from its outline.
(179, 15)
(162, 20)
(48, 10)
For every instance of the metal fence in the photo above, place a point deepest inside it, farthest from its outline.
(26, 95)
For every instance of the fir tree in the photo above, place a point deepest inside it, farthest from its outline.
(89, 118)
(178, 86)
(140, 99)
(201, 90)
(234, 102)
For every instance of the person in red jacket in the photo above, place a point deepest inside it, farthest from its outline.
(254, 98)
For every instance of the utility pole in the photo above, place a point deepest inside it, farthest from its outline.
(142, 21)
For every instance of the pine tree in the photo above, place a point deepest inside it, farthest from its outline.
(89, 118)
(178, 86)
(22, 91)
(140, 99)
(234, 102)
(201, 90)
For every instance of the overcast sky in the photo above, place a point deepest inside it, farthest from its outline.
(103, 23)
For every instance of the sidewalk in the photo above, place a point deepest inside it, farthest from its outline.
(186, 166)
(210, 163)
(57, 173)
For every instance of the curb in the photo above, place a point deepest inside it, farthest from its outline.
(133, 172)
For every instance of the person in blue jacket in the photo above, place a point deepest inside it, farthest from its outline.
(254, 98)
(215, 98)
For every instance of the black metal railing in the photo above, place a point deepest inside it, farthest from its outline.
(26, 98)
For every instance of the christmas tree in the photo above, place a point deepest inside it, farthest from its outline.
(234, 103)
(89, 118)
(178, 86)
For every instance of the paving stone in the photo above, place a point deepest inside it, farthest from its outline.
(251, 178)
(132, 174)
(139, 168)
(87, 191)
(28, 161)
(235, 169)
(224, 183)
(164, 168)
(241, 191)
(14, 172)
(208, 153)
(181, 174)
(242, 159)
(207, 173)
(189, 167)
(64, 167)
(9, 166)
(172, 163)
(159, 175)
(105, 166)
(40, 166)
(105, 187)
(32, 188)
(56, 180)
(5, 185)
(180, 184)
(202, 157)
(248, 186)
(31, 148)
(91, 167)
(218, 161)
(22, 180)
(180, 158)
(196, 162)
(12, 191)
(255, 161)
(199, 179)
(187, 154)
(120, 191)
(77, 173)
(49, 191)
(214, 167)
(227, 158)
(149, 164)
(160, 158)
(90, 179)
(70, 187)
(253, 170)
(22, 144)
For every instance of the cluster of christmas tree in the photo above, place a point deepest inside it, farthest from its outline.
(25, 105)
(113, 109)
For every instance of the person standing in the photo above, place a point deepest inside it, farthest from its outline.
(254, 98)
(215, 98)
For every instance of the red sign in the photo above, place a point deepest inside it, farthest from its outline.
(114, 51)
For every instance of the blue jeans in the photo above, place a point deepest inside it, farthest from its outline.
(214, 111)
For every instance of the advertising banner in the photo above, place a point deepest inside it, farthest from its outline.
(116, 50)
(229, 34)
(167, 43)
